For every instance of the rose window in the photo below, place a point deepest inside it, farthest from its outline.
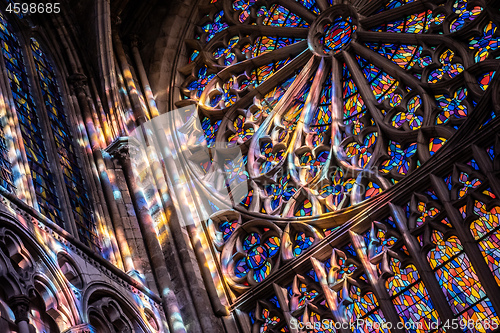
(328, 104)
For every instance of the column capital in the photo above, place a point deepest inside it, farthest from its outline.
(20, 305)
(134, 41)
(123, 147)
(78, 81)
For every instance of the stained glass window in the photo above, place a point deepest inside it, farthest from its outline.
(486, 231)
(31, 117)
(410, 297)
(458, 279)
(61, 131)
(334, 106)
(353, 91)
(31, 128)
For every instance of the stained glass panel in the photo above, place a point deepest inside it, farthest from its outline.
(31, 128)
(59, 123)
(338, 104)
(458, 279)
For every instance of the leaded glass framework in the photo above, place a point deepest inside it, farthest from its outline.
(40, 119)
(343, 110)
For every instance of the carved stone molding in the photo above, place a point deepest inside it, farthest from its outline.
(78, 81)
(20, 305)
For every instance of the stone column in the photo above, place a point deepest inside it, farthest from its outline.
(146, 88)
(20, 305)
(78, 82)
(120, 150)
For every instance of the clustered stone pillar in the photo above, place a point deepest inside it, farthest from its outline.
(146, 224)
(79, 84)
(20, 305)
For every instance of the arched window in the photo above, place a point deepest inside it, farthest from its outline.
(41, 118)
(61, 132)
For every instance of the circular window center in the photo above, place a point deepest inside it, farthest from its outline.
(332, 31)
(336, 35)
(257, 257)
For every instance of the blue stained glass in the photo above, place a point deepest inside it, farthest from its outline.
(391, 4)
(491, 152)
(217, 25)
(30, 126)
(73, 177)
(310, 4)
(303, 242)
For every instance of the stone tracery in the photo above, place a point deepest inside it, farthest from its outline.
(386, 95)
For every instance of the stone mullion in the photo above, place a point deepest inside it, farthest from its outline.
(485, 165)
(424, 269)
(363, 87)
(377, 283)
(367, 6)
(322, 5)
(470, 246)
(329, 294)
(281, 294)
